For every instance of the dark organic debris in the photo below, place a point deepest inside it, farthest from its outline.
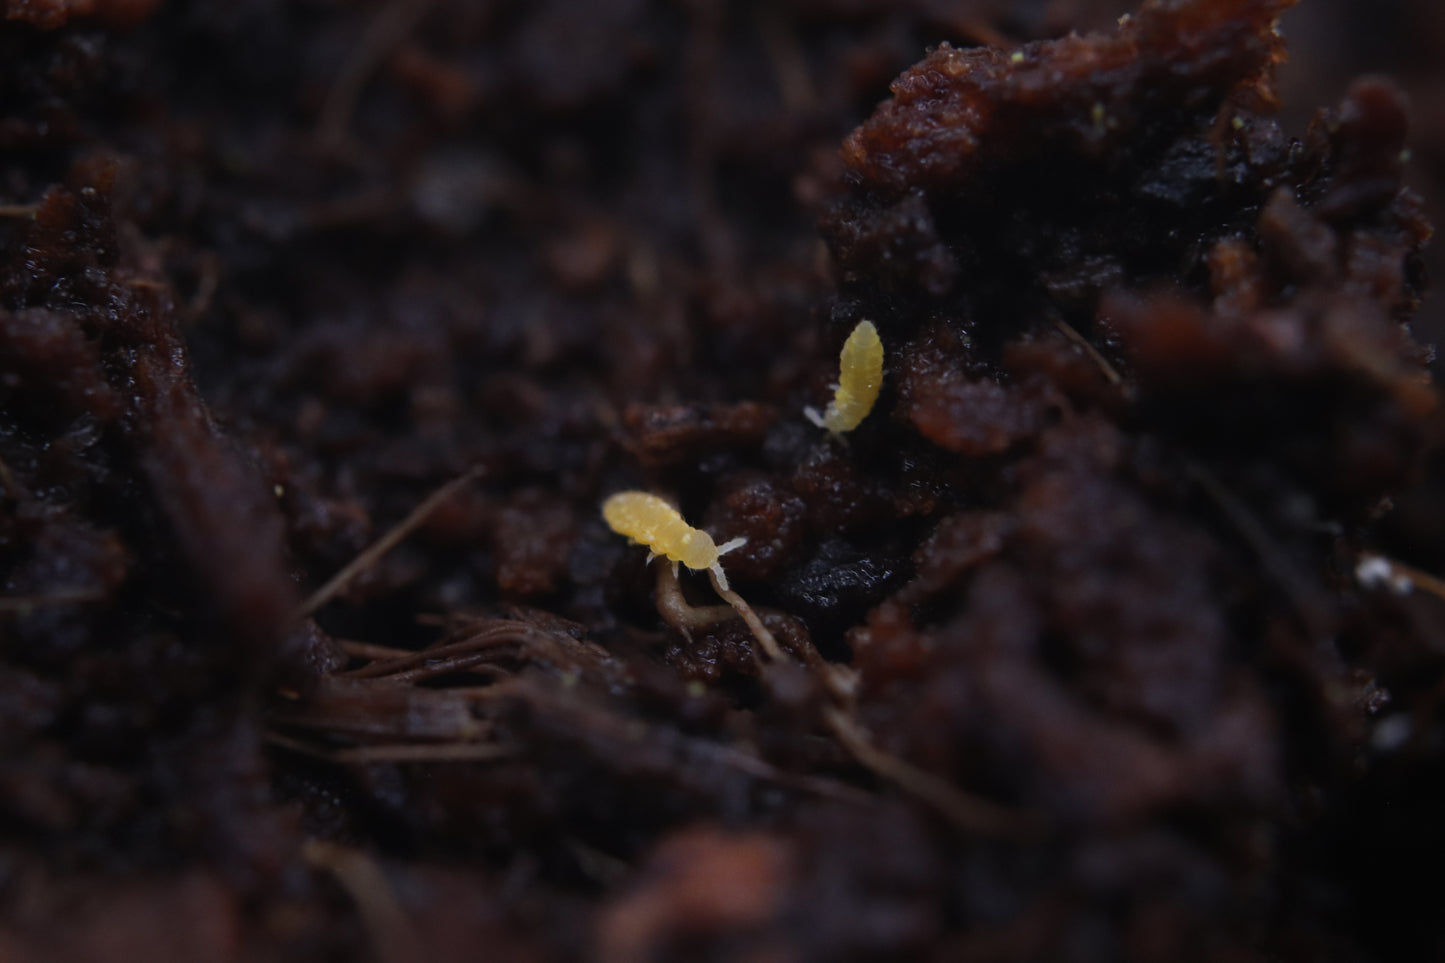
(1115, 632)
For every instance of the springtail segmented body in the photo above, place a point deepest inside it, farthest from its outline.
(649, 520)
(860, 378)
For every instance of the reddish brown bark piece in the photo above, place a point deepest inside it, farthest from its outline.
(959, 112)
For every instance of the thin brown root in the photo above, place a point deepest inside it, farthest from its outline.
(608, 733)
(388, 28)
(820, 786)
(682, 615)
(24, 604)
(359, 874)
(371, 651)
(479, 664)
(839, 681)
(789, 63)
(22, 211)
(1307, 598)
(970, 813)
(1111, 374)
(396, 752)
(493, 640)
(381, 546)
(760, 631)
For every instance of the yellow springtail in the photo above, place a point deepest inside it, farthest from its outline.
(651, 521)
(860, 377)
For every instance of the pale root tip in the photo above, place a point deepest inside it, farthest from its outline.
(717, 573)
(814, 416)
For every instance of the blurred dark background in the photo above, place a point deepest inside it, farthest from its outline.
(1331, 42)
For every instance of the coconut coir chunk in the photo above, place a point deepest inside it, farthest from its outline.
(1167, 341)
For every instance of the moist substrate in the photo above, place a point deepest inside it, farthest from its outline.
(1109, 634)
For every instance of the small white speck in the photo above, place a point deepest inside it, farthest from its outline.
(1391, 732)
(1375, 572)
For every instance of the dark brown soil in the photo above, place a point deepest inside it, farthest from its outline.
(1109, 635)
